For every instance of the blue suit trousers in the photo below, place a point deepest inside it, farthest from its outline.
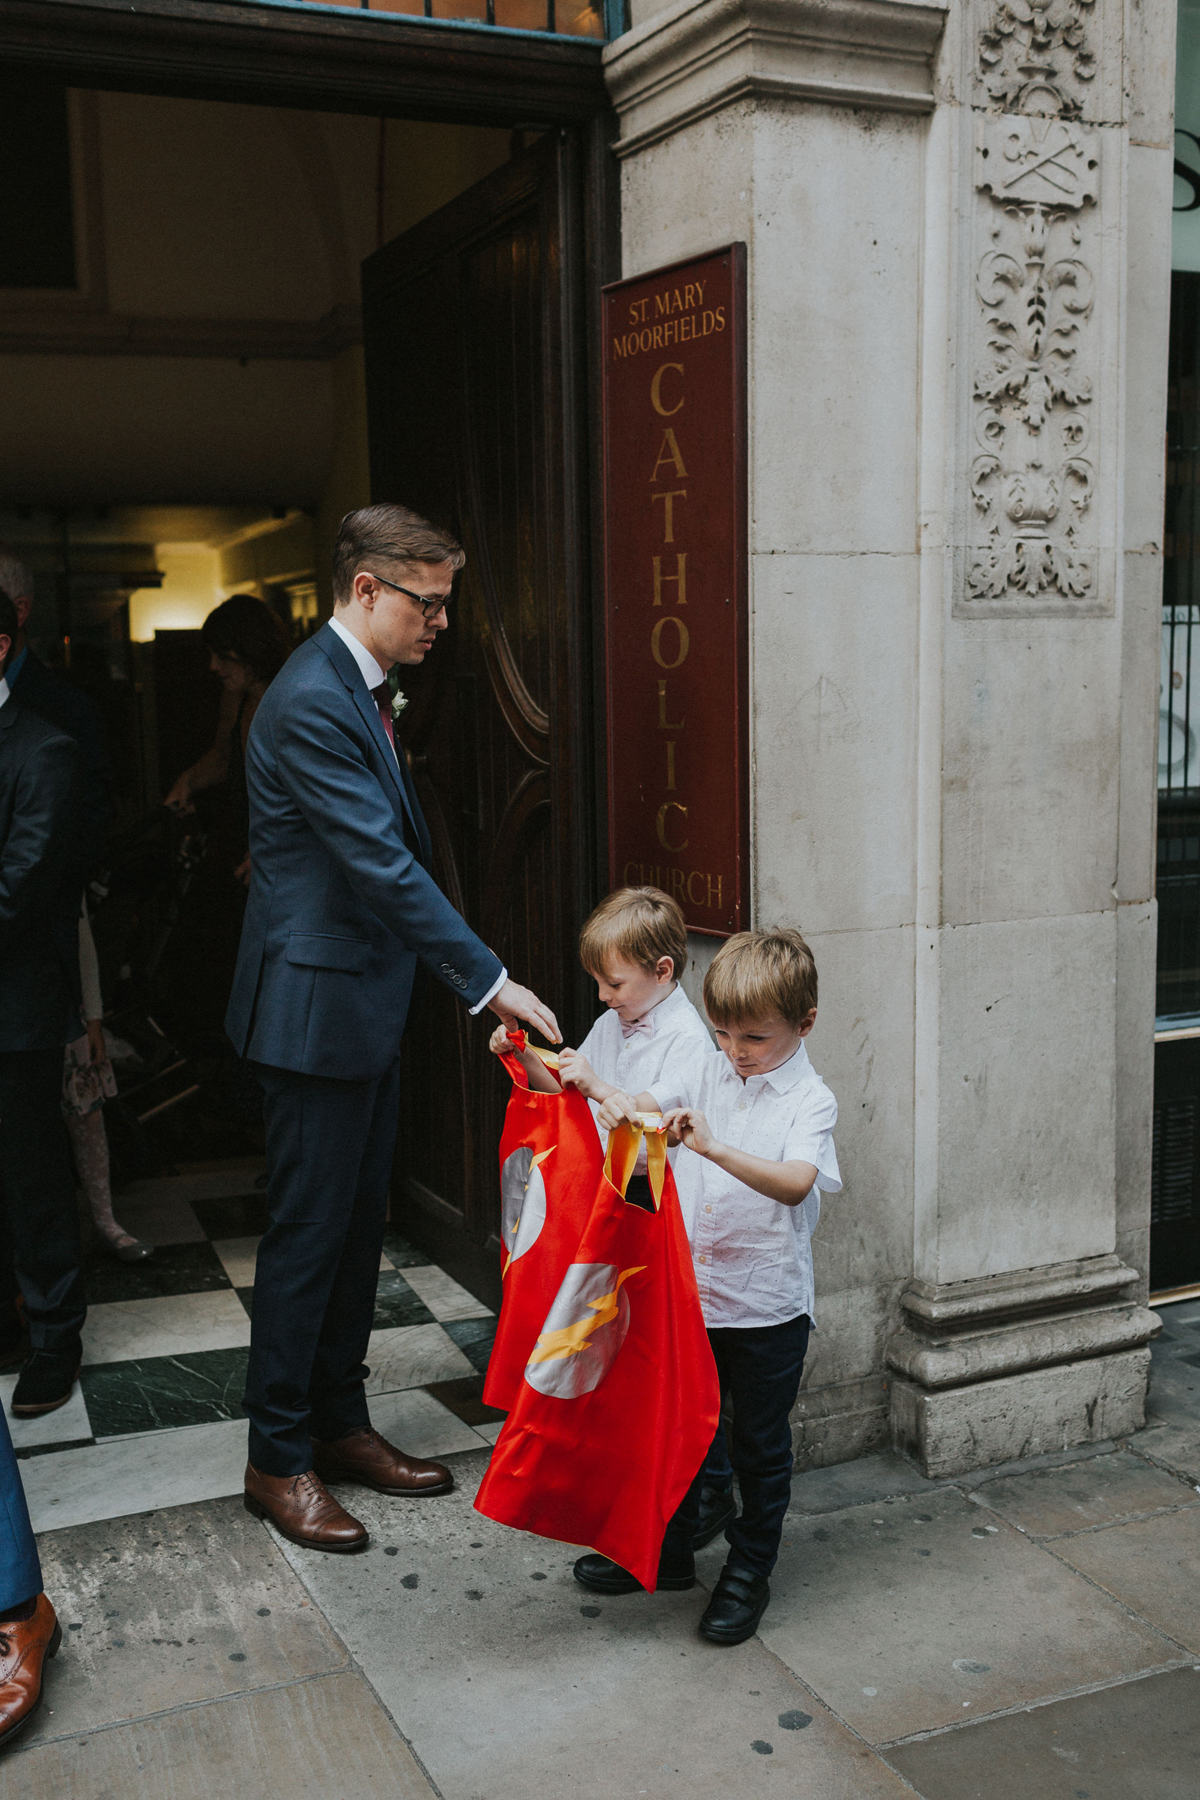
(20, 1570)
(329, 1154)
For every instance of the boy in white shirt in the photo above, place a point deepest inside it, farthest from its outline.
(633, 945)
(757, 1124)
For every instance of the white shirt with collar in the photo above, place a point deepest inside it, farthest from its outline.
(372, 675)
(371, 672)
(753, 1256)
(3, 690)
(652, 1055)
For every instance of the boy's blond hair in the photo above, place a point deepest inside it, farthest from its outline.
(638, 924)
(759, 973)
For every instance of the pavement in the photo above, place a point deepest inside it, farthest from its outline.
(1025, 1633)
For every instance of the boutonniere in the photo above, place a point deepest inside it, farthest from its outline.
(399, 700)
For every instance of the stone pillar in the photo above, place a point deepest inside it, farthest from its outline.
(958, 266)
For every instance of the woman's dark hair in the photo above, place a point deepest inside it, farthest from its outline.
(248, 629)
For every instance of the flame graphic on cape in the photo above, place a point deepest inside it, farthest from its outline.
(571, 1339)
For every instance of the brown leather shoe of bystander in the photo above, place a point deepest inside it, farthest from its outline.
(363, 1456)
(302, 1508)
(25, 1648)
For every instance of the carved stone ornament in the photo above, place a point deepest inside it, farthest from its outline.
(1034, 56)
(1031, 477)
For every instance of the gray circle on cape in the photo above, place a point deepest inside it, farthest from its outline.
(585, 1288)
(522, 1201)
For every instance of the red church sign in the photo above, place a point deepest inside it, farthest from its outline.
(675, 586)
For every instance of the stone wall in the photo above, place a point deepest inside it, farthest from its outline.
(957, 229)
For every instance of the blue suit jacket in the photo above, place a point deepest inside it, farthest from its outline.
(341, 902)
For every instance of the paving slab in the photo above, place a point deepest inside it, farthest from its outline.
(1139, 1741)
(327, 1737)
(1152, 1566)
(1046, 1502)
(135, 1474)
(905, 1615)
(858, 1483)
(513, 1683)
(166, 1609)
(1176, 1446)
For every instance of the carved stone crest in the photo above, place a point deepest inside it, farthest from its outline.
(1029, 161)
(1034, 56)
(1037, 174)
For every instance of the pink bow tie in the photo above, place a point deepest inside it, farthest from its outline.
(629, 1029)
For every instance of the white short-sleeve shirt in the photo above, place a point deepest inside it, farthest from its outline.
(753, 1256)
(654, 1061)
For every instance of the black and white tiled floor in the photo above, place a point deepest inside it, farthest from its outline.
(156, 1418)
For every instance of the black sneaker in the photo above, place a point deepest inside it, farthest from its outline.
(46, 1380)
(600, 1575)
(738, 1602)
(718, 1508)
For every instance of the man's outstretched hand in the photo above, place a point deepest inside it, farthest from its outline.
(515, 1003)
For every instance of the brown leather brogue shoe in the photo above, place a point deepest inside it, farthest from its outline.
(302, 1508)
(363, 1456)
(25, 1649)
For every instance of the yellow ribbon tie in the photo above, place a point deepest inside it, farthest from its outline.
(622, 1154)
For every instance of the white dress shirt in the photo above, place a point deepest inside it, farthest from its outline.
(651, 1060)
(3, 690)
(645, 1061)
(372, 675)
(753, 1256)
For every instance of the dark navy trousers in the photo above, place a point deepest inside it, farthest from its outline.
(20, 1571)
(40, 1247)
(759, 1367)
(329, 1161)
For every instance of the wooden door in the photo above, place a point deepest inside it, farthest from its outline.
(475, 377)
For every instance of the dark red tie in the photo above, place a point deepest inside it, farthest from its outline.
(382, 696)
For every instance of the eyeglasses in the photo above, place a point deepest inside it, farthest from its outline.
(429, 604)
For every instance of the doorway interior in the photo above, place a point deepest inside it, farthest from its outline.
(197, 413)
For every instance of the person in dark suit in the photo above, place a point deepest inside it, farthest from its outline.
(39, 1013)
(341, 906)
(61, 704)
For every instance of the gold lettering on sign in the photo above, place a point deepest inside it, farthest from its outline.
(666, 807)
(669, 453)
(681, 646)
(670, 765)
(680, 577)
(665, 724)
(670, 497)
(664, 412)
(679, 881)
(686, 329)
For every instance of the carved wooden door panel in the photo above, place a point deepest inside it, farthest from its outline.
(472, 327)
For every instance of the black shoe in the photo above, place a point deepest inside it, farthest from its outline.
(718, 1508)
(600, 1575)
(14, 1344)
(46, 1381)
(738, 1602)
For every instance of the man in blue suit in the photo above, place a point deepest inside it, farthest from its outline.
(341, 906)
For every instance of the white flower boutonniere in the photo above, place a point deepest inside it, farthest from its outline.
(399, 700)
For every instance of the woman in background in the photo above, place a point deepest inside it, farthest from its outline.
(87, 1083)
(247, 646)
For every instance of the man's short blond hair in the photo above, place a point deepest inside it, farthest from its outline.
(639, 924)
(387, 534)
(760, 974)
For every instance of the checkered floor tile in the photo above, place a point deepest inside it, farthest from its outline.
(156, 1419)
